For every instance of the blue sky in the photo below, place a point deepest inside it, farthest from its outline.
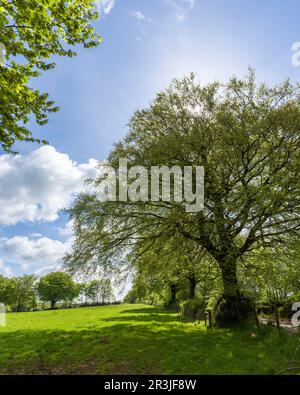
(146, 44)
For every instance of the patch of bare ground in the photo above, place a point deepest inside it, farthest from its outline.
(89, 367)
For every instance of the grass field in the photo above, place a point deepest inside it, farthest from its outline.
(136, 339)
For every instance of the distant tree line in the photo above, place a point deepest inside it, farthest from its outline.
(54, 290)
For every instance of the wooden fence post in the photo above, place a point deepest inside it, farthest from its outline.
(209, 319)
(275, 307)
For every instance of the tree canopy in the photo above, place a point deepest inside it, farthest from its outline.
(57, 286)
(31, 32)
(246, 135)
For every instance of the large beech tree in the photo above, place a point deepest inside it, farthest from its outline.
(247, 136)
(31, 31)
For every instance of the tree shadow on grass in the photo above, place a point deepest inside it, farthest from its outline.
(139, 349)
(150, 310)
(159, 318)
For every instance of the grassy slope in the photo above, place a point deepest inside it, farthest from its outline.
(134, 339)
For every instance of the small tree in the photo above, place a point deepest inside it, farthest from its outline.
(92, 290)
(4, 287)
(57, 286)
(21, 293)
(106, 291)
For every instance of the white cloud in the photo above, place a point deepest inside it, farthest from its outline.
(138, 15)
(142, 22)
(5, 270)
(191, 3)
(33, 255)
(105, 6)
(180, 15)
(36, 235)
(34, 187)
(67, 230)
(182, 8)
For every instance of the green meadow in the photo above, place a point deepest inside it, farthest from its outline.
(138, 339)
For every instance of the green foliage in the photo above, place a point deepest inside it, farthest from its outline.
(131, 296)
(21, 294)
(193, 309)
(57, 286)
(4, 290)
(98, 291)
(32, 32)
(176, 273)
(271, 277)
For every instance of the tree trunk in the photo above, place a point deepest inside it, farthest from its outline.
(192, 286)
(232, 307)
(53, 304)
(210, 325)
(275, 309)
(173, 293)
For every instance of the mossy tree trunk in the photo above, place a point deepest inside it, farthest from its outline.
(232, 307)
(173, 296)
(192, 287)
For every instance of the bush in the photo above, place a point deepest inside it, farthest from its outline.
(193, 309)
(231, 310)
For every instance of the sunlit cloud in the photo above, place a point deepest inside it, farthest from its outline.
(34, 187)
(138, 15)
(105, 6)
(32, 255)
(5, 270)
(182, 8)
